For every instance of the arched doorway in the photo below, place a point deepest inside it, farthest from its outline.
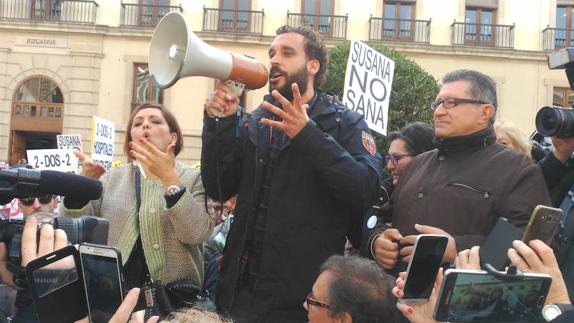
(36, 118)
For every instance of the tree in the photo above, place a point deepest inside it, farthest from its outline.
(412, 92)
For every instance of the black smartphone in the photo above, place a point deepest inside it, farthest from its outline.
(494, 250)
(543, 224)
(102, 273)
(423, 267)
(57, 287)
(477, 296)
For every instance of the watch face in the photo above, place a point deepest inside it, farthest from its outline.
(550, 312)
(173, 190)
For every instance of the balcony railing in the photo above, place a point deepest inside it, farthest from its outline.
(142, 15)
(70, 11)
(330, 26)
(557, 38)
(501, 36)
(405, 30)
(233, 21)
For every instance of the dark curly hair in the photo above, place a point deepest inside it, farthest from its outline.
(314, 48)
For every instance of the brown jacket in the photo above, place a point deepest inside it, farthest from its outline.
(465, 185)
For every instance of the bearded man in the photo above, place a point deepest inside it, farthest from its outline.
(304, 168)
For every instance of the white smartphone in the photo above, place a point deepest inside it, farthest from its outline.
(425, 262)
(102, 271)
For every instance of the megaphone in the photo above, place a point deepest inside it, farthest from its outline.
(176, 52)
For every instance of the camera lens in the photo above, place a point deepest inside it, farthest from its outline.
(555, 121)
(84, 229)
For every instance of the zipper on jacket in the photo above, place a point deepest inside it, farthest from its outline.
(484, 194)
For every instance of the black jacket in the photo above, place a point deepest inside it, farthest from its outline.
(559, 178)
(463, 187)
(323, 180)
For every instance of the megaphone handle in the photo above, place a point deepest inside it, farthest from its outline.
(235, 87)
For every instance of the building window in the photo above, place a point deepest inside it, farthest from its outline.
(563, 97)
(151, 11)
(397, 20)
(47, 9)
(234, 15)
(38, 97)
(317, 14)
(144, 91)
(564, 26)
(479, 26)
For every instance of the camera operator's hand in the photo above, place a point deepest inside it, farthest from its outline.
(124, 312)
(89, 168)
(563, 148)
(418, 313)
(387, 248)
(221, 101)
(50, 240)
(409, 241)
(468, 259)
(538, 257)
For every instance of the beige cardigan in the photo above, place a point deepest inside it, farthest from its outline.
(172, 238)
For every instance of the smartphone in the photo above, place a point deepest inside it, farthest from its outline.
(477, 296)
(543, 224)
(423, 267)
(102, 274)
(56, 286)
(494, 250)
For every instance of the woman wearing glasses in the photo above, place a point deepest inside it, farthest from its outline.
(413, 139)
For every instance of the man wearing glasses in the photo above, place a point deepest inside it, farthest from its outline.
(464, 186)
(31, 205)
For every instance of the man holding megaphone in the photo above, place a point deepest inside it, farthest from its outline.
(305, 168)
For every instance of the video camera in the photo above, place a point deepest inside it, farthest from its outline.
(89, 229)
(23, 181)
(558, 121)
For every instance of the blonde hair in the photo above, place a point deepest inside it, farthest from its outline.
(518, 139)
(191, 315)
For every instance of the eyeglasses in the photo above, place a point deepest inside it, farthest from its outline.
(395, 158)
(450, 103)
(27, 201)
(311, 301)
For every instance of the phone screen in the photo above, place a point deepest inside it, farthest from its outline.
(103, 286)
(424, 266)
(480, 297)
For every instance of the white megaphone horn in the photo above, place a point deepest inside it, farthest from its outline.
(176, 52)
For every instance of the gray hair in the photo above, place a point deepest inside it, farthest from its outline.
(360, 288)
(482, 88)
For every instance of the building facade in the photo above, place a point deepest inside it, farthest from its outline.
(64, 61)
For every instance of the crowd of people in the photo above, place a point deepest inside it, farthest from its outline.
(263, 225)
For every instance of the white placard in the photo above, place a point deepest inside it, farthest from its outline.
(69, 142)
(62, 160)
(368, 83)
(102, 142)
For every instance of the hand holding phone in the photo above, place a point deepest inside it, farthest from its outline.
(477, 296)
(418, 313)
(423, 267)
(102, 272)
(543, 224)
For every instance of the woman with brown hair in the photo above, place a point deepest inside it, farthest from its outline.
(157, 209)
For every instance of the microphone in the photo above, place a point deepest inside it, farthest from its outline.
(26, 182)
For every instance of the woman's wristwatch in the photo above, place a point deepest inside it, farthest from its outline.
(552, 311)
(172, 190)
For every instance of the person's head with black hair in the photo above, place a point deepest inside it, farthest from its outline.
(413, 139)
(351, 289)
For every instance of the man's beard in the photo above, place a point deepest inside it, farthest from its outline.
(300, 77)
